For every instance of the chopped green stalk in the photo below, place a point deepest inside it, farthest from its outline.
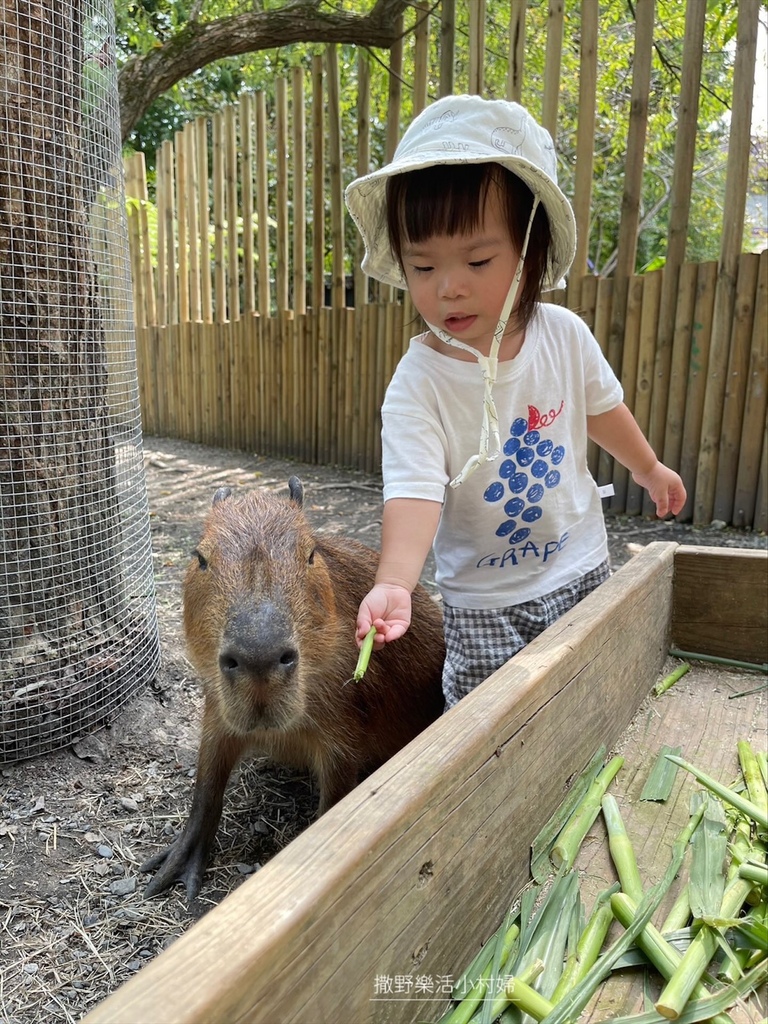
(671, 679)
(567, 846)
(659, 783)
(622, 852)
(540, 864)
(467, 980)
(664, 957)
(708, 853)
(589, 945)
(527, 976)
(701, 950)
(478, 987)
(751, 810)
(527, 999)
(571, 1005)
(365, 655)
(750, 769)
(708, 1008)
(754, 872)
(679, 913)
(762, 760)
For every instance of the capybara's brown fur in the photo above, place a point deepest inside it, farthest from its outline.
(269, 616)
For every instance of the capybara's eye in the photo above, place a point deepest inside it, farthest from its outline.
(201, 560)
(311, 559)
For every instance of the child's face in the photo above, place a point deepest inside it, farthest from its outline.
(459, 282)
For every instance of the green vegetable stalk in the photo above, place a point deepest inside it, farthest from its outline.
(365, 655)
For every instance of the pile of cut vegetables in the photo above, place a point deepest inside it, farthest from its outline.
(546, 961)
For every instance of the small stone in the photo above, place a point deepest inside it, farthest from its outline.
(104, 851)
(30, 968)
(128, 803)
(123, 887)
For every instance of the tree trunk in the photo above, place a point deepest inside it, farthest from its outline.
(60, 592)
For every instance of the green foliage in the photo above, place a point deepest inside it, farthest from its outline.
(143, 24)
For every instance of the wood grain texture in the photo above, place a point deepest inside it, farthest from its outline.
(721, 603)
(408, 874)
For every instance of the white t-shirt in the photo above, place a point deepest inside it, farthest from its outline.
(531, 520)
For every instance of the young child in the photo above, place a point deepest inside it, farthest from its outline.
(468, 216)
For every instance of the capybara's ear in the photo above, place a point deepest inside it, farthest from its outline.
(296, 490)
(222, 493)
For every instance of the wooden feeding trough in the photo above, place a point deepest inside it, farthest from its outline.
(366, 913)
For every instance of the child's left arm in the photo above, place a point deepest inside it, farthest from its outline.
(618, 433)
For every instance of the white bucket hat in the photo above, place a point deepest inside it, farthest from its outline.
(470, 130)
(466, 130)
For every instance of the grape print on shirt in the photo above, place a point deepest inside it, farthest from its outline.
(526, 474)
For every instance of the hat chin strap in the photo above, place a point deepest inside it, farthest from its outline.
(489, 365)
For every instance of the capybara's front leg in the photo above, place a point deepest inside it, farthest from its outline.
(187, 857)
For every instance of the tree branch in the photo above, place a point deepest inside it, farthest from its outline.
(143, 78)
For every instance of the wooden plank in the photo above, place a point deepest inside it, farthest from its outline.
(608, 467)
(219, 216)
(264, 301)
(182, 241)
(701, 339)
(517, 9)
(734, 397)
(753, 424)
(681, 353)
(721, 603)
(476, 46)
(420, 56)
(408, 873)
(203, 217)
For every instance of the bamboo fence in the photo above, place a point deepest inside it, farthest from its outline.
(244, 339)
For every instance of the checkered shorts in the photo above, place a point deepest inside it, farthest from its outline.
(480, 640)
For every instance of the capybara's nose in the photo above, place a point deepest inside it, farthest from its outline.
(238, 660)
(257, 642)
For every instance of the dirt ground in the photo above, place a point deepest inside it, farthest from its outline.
(76, 824)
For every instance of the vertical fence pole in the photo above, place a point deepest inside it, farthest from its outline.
(737, 173)
(516, 49)
(420, 56)
(447, 46)
(299, 164)
(262, 205)
(318, 185)
(476, 46)
(336, 179)
(246, 200)
(553, 57)
(281, 192)
(585, 135)
(204, 220)
(363, 163)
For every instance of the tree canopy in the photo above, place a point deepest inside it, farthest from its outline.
(181, 59)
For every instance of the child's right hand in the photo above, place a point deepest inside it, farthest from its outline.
(387, 607)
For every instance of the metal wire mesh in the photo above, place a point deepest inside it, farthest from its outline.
(78, 628)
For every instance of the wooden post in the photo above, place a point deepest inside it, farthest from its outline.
(753, 429)
(192, 201)
(633, 182)
(736, 385)
(206, 299)
(318, 185)
(336, 185)
(246, 192)
(447, 46)
(554, 52)
(281, 206)
(516, 49)
(262, 206)
(219, 198)
(363, 162)
(679, 207)
(299, 163)
(181, 225)
(476, 46)
(734, 204)
(681, 354)
(420, 56)
(231, 180)
(585, 135)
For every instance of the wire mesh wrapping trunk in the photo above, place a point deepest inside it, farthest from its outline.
(78, 629)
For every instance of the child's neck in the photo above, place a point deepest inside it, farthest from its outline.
(511, 344)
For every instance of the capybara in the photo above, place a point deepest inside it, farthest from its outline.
(269, 618)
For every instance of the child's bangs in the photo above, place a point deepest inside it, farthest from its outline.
(442, 200)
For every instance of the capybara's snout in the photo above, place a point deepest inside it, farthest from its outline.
(258, 646)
